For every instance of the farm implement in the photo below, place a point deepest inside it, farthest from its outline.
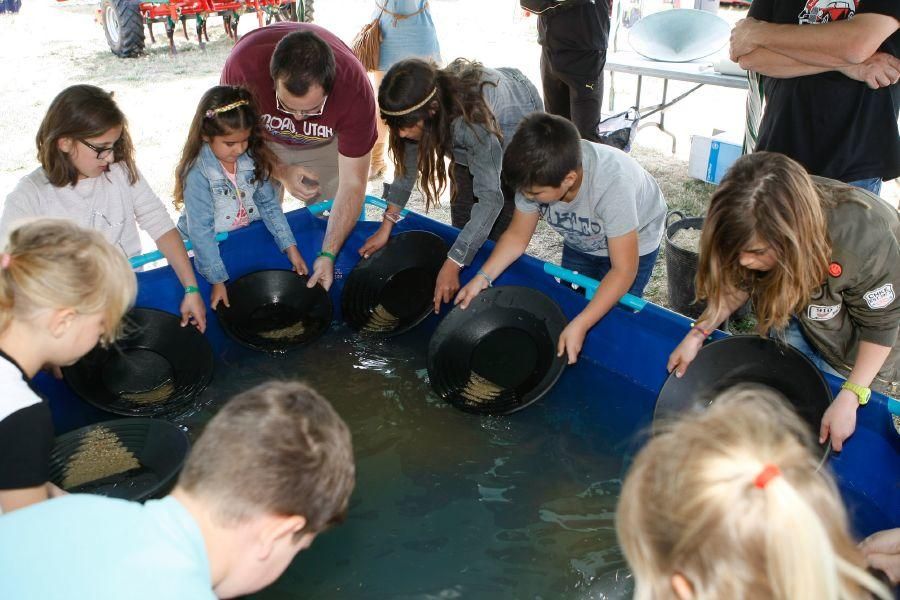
(123, 21)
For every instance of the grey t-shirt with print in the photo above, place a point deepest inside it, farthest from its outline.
(616, 196)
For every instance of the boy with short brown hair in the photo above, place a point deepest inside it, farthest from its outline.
(271, 470)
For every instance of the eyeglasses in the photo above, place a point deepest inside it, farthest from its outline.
(300, 114)
(101, 152)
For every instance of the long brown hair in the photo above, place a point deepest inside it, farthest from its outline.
(457, 93)
(80, 112)
(769, 198)
(208, 123)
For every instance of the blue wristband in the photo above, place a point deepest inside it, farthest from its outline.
(486, 277)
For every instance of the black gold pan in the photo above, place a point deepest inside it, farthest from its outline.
(498, 355)
(392, 291)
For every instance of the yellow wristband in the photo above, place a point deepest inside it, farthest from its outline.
(862, 393)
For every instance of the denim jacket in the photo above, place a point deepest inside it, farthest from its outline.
(211, 205)
(513, 97)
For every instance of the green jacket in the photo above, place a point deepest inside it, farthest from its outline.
(858, 300)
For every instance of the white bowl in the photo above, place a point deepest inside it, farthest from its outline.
(679, 35)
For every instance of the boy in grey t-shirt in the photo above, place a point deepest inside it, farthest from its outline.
(608, 209)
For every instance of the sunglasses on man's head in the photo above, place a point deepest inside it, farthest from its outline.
(101, 152)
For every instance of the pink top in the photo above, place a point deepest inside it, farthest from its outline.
(242, 219)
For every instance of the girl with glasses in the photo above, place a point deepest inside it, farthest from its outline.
(88, 175)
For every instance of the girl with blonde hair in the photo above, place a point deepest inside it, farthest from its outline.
(820, 261)
(62, 289)
(728, 503)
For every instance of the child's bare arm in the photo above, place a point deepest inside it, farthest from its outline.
(716, 312)
(839, 421)
(511, 245)
(192, 308)
(11, 500)
(624, 259)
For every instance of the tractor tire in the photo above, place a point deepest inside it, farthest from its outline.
(123, 25)
(307, 16)
(287, 12)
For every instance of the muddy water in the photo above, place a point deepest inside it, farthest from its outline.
(448, 504)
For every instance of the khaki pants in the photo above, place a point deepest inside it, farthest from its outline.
(321, 159)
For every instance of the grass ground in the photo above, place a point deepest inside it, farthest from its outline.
(50, 45)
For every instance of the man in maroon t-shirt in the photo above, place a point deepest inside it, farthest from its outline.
(318, 110)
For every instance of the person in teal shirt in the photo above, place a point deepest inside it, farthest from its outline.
(272, 469)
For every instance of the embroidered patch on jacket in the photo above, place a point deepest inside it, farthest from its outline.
(835, 269)
(822, 313)
(880, 297)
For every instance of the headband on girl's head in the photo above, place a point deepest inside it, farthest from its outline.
(211, 113)
(406, 111)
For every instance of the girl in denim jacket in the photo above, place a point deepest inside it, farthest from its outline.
(222, 182)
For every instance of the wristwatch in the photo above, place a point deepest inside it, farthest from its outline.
(862, 393)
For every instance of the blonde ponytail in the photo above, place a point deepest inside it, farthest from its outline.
(53, 263)
(732, 500)
(7, 297)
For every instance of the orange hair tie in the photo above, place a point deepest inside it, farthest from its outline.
(768, 473)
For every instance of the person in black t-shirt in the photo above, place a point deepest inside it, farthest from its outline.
(830, 83)
(573, 53)
(62, 289)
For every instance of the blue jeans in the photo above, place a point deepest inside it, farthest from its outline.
(873, 185)
(793, 335)
(596, 267)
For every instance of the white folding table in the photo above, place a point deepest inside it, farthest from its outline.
(699, 71)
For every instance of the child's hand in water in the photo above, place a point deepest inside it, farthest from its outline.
(219, 294)
(571, 340)
(297, 261)
(193, 311)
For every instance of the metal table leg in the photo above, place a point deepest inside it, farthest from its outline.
(662, 115)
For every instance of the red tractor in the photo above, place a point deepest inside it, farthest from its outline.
(123, 20)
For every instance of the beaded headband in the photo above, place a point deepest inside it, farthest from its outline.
(406, 111)
(211, 113)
